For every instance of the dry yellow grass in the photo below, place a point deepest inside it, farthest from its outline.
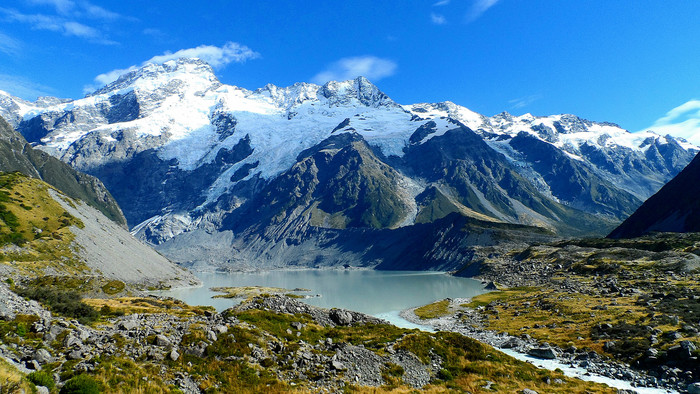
(434, 310)
(11, 380)
(129, 305)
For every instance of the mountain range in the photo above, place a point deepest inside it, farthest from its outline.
(308, 175)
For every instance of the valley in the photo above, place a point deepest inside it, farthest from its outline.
(333, 224)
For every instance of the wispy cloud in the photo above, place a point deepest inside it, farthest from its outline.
(63, 7)
(23, 87)
(68, 28)
(78, 9)
(67, 17)
(441, 3)
(478, 8)
(9, 45)
(522, 102)
(682, 121)
(437, 19)
(217, 57)
(371, 67)
(80, 30)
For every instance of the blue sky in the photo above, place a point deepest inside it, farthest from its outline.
(632, 62)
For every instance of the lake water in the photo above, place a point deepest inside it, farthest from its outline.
(381, 294)
(378, 293)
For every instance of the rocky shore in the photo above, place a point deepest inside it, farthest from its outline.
(271, 343)
(626, 309)
(469, 322)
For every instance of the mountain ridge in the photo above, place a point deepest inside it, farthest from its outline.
(197, 151)
(674, 208)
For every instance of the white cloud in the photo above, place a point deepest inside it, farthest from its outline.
(370, 67)
(682, 121)
(441, 3)
(437, 19)
(478, 8)
(23, 87)
(97, 12)
(522, 102)
(217, 57)
(80, 30)
(9, 45)
(231, 52)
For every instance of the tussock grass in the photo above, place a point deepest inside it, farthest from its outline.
(434, 310)
(130, 305)
(12, 381)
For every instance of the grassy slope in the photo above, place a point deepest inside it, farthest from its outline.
(35, 231)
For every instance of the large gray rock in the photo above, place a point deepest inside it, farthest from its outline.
(162, 340)
(544, 352)
(43, 356)
(340, 317)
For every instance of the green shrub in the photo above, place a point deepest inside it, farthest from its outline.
(445, 375)
(66, 303)
(81, 384)
(21, 330)
(113, 287)
(42, 378)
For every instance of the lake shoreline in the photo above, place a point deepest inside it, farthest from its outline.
(467, 321)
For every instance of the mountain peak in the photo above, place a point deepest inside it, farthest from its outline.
(193, 71)
(360, 89)
(287, 97)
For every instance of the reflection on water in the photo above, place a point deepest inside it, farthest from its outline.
(367, 291)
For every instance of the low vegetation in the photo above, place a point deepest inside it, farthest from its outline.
(635, 301)
(111, 307)
(253, 291)
(434, 310)
(13, 381)
(64, 303)
(35, 231)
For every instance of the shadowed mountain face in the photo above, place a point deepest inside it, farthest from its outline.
(674, 208)
(17, 155)
(188, 157)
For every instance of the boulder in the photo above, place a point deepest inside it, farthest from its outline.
(42, 356)
(546, 353)
(340, 317)
(511, 343)
(693, 388)
(162, 340)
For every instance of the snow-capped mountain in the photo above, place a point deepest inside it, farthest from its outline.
(185, 155)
